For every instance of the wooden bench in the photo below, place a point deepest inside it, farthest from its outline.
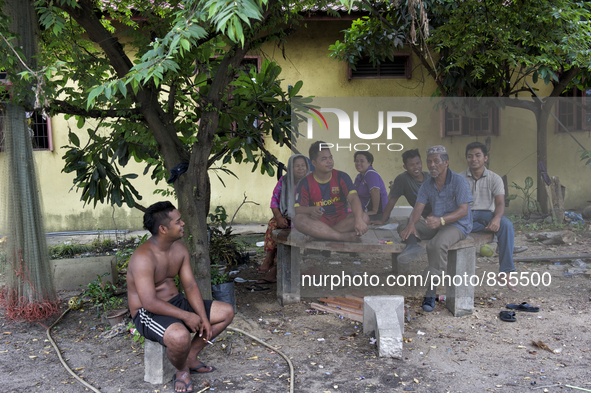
(461, 259)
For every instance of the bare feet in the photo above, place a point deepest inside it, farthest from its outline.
(182, 381)
(308, 238)
(351, 237)
(509, 286)
(267, 263)
(342, 237)
(270, 278)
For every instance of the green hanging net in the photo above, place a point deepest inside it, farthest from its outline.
(28, 292)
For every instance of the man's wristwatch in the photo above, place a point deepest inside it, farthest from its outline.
(442, 221)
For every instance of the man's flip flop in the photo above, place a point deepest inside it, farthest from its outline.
(174, 381)
(507, 316)
(195, 370)
(523, 307)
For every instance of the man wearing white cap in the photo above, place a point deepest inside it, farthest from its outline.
(449, 195)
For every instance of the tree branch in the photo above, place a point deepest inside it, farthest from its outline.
(169, 144)
(262, 40)
(517, 91)
(171, 100)
(67, 108)
(564, 80)
(517, 103)
(430, 69)
(217, 156)
(139, 207)
(242, 204)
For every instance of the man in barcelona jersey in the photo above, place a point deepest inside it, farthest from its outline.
(323, 199)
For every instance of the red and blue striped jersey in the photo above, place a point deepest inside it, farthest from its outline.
(331, 194)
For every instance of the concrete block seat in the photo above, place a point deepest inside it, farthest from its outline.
(384, 315)
(157, 368)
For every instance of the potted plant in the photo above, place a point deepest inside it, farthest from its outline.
(222, 288)
(223, 249)
(114, 312)
(103, 298)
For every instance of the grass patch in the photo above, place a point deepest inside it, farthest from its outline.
(97, 246)
(67, 250)
(102, 245)
(522, 224)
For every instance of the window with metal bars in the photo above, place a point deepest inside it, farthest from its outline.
(455, 124)
(399, 67)
(572, 111)
(39, 127)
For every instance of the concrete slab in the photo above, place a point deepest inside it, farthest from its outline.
(401, 211)
(85, 237)
(69, 274)
(157, 368)
(384, 315)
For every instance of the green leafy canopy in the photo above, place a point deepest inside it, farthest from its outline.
(156, 82)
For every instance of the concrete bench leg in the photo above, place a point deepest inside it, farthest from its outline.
(157, 368)
(384, 315)
(399, 268)
(460, 298)
(288, 274)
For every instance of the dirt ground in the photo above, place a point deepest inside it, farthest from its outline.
(476, 353)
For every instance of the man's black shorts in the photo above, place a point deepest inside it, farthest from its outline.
(153, 326)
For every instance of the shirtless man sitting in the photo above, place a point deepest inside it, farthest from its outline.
(159, 311)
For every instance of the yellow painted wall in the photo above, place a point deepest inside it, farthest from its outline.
(513, 152)
(306, 59)
(63, 209)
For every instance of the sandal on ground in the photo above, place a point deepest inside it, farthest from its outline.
(507, 316)
(265, 281)
(187, 385)
(195, 370)
(257, 288)
(518, 249)
(523, 307)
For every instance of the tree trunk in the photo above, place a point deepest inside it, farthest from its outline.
(193, 194)
(557, 192)
(193, 187)
(542, 150)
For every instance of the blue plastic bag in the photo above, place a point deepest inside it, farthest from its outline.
(576, 217)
